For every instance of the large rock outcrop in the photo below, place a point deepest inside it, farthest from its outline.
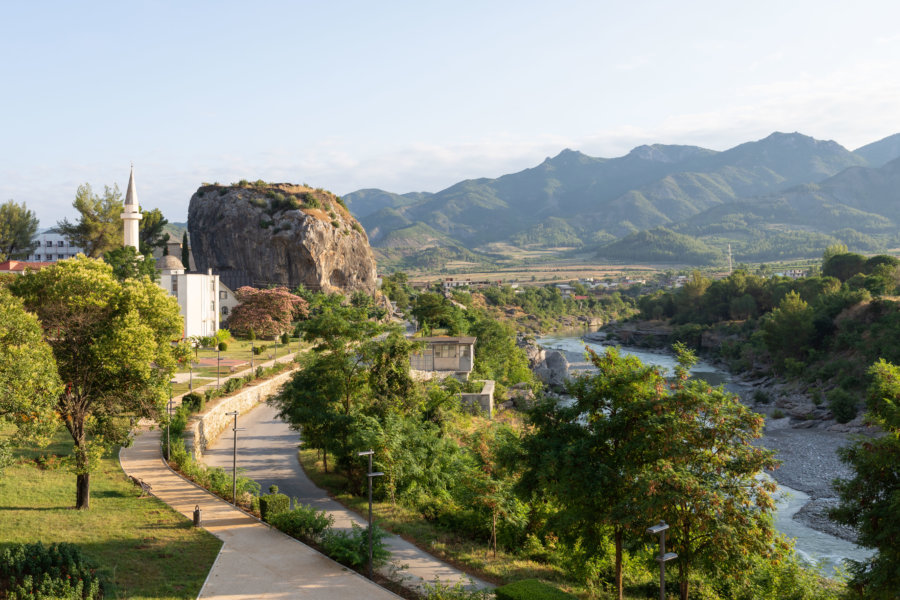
(263, 234)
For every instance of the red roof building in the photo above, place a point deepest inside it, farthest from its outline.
(20, 266)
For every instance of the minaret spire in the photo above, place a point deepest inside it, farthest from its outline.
(131, 214)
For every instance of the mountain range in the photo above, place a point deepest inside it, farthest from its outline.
(787, 195)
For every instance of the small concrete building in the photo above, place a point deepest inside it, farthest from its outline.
(444, 355)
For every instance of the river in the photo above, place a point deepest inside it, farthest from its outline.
(813, 546)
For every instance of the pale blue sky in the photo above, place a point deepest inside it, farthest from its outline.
(415, 96)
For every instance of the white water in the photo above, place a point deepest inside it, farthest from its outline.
(815, 547)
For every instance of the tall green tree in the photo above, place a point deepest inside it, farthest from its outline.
(870, 499)
(18, 226)
(151, 231)
(185, 252)
(128, 264)
(707, 483)
(29, 383)
(590, 456)
(789, 328)
(113, 345)
(99, 227)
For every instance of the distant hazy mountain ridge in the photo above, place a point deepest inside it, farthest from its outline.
(757, 196)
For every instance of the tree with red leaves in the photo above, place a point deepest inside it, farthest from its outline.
(267, 313)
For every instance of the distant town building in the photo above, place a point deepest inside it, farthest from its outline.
(52, 247)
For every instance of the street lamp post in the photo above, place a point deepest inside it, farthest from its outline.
(369, 476)
(218, 366)
(169, 424)
(664, 557)
(235, 429)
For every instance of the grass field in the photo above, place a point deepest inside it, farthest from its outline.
(144, 548)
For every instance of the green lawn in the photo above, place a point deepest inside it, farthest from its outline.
(144, 548)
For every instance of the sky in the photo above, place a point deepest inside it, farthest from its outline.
(415, 96)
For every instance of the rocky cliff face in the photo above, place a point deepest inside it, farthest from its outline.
(264, 234)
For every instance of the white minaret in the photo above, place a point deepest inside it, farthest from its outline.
(131, 214)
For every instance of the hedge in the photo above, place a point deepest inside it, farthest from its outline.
(273, 504)
(531, 589)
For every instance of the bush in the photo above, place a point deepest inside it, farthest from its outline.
(223, 346)
(233, 384)
(778, 414)
(442, 591)
(285, 339)
(842, 404)
(304, 522)
(260, 371)
(761, 397)
(194, 402)
(58, 571)
(351, 548)
(273, 504)
(531, 589)
(257, 350)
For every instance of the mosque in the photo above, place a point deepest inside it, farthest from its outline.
(198, 294)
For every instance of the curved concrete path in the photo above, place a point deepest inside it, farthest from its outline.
(267, 453)
(256, 561)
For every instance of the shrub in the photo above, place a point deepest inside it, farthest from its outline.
(233, 384)
(212, 394)
(442, 591)
(223, 346)
(194, 402)
(259, 372)
(258, 202)
(285, 339)
(273, 504)
(304, 522)
(817, 397)
(57, 571)
(777, 414)
(842, 404)
(335, 224)
(761, 397)
(257, 350)
(531, 589)
(351, 548)
(358, 227)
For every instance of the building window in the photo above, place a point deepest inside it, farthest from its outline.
(223, 295)
(175, 285)
(60, 244)
(37, 257)
(49, 244)
(224, 310)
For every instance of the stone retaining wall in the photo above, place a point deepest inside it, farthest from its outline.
(206, 428)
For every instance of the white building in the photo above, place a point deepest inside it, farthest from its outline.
(197, 294)
(52, 247)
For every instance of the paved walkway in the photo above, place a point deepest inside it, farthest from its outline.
(267, 452)
(256, 561)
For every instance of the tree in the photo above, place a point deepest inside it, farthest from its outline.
(844, 266)
(870, 500)
(151, 234)
(489, 482)
(789, 328)
(185, 252)
(590, 456)
(707, 483)
(128, 264)
(99, 227)
(113, 345)
(29, 383)
(18, 225)
(267, 312)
